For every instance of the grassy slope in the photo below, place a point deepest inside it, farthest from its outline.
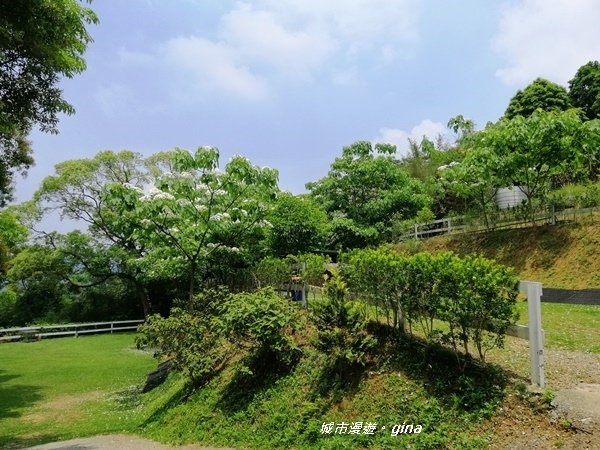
(60, 388)
(266, 412)
(562, 256)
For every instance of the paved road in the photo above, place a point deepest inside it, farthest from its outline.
(115, 442)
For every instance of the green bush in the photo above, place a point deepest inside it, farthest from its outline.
(341, 333)
(475, 297)
(193, 338)
(576, 196)
(263, 323)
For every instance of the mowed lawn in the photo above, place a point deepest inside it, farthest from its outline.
(60, 388)
(568, 327)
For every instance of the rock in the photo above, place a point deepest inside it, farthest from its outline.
(157, 376)
(580, 406)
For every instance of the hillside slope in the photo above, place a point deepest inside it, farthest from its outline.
(560, 256)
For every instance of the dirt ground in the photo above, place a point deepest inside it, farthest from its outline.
(529, 421)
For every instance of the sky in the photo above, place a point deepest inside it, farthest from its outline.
(289, 83)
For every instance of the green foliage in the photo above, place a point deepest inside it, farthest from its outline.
(341, 329)
(299, 225)
(474, 296)
(195, 210)
(40, 41)
(379, 277)
(576, 196)
(272, 272)
(584, 89)
(192, 337)
(263, 322)
(540, 94)
(12, 236)
(529, 152)
(365, 191)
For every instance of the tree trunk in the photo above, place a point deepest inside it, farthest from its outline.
(142, 294)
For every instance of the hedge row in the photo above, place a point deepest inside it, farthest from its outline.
(455, 301)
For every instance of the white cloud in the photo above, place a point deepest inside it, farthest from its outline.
(214, 66)
(261, 39)
(260, 36)
(400, 138)
(547, 38)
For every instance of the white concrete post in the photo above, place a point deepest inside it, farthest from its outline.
(533, 290)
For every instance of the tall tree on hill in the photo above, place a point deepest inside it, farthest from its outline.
(40, 41)
(540, 94)
(584, 89)
(365, 191)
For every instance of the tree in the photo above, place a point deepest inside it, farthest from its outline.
(78, 191)
(530, 152)
(540, 94)
(584, 89)
(300, 225)
(195, 211)
(365, 191)
(40, 41)
(12, 236)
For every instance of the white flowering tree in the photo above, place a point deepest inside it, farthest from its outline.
(195, 209)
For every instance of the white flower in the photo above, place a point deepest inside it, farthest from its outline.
(183, 202)
(132, 187)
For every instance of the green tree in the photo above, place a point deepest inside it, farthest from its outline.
(40, 41)
(540, 94)
(299, 225)
(584, 89)
(194, 211)
(529, 152)
(365, 192)
(78, 191)
(12, 236)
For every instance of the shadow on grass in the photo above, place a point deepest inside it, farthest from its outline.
(262, 370)
(12, 442)
(475, 388)
(14, 398)
(339, 383)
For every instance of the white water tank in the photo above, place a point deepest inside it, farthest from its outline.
(509, 197)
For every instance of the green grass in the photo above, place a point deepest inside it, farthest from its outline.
(61, 388)
(264, 411)
(568, 327)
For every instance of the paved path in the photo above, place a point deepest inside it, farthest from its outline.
(116, 442)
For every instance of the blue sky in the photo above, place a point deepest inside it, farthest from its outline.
(288, 83)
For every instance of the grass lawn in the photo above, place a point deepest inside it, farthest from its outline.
(568, 327)
(62, 388)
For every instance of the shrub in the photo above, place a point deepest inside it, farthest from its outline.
(263, 323)
(341, 326)
(474, 296)
(192, 338)
(576, 196)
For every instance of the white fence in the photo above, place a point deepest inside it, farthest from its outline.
(72, 329)
(463, 224)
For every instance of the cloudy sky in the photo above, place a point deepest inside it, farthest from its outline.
(288, 83)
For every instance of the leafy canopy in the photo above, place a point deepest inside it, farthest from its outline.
(584, 89)
(40, 41)
(540, 94)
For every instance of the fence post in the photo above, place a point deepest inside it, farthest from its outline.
(416, 233)
(536, 340)
(112, 324)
